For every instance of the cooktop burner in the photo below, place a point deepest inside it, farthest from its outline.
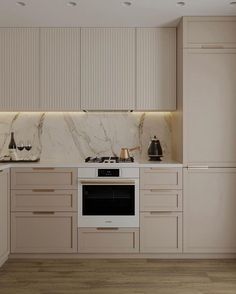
(107, 159)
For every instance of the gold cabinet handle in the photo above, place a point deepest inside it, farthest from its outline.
(43, 190)
(107, 229)
(160, 212)
(212, 46)
(44, 212)
(43, 168)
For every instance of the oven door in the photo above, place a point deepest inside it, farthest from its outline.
(108, 203)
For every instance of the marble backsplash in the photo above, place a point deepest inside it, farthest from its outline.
(71, 137)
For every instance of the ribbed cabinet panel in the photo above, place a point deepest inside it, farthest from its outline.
(19, 64)
(107, 68)
(60, 68)
(156, 68)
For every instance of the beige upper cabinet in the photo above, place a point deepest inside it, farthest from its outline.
(156, 69)
(4, 216)
(209, 32)
(209, 211)
(107, 68)
(19, 64)
(60, 69)
(209, 106)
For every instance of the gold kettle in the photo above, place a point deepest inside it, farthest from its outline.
(124, 152)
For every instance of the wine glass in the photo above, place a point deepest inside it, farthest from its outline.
(20, 146)
(28, 147)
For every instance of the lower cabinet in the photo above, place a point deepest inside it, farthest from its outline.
(43, 232)
(108, 240)
(4, 216)
(210, 210)
(161, 210)
(160, 232)
(44, 210)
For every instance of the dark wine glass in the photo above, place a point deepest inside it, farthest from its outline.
(20, 146)
(28, 147)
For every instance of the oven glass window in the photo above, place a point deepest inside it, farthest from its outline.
(108, 199)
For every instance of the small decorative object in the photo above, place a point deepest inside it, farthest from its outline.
(155, 150)
(12, 148)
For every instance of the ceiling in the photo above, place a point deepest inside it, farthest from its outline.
(106, 13)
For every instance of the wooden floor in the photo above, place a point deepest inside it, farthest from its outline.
(118, 276)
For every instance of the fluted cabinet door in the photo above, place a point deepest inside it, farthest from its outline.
(60, 68)
(107, 68)
(156, 69)
(19, 64)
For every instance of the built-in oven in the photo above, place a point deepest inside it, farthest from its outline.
(108, 197)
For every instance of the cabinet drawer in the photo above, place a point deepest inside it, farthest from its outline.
(210, 32)
(38, 178)
(43, 232)
(160, 232)
(159, 200)
(44, 200)
(159, 178)
(108, 240)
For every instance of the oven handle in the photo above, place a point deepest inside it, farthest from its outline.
(107, 182)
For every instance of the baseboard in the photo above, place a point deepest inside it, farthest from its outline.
(123, 256)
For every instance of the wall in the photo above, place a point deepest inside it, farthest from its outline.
(71, 137)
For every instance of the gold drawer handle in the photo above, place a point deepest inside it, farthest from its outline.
(212, 47)
(161, 212)
(43, 190)
(107, 229)
(44, 212)
(43, 168)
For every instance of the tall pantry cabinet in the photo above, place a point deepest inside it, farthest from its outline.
(206, 120)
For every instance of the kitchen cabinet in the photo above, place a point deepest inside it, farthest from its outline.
(161, 200)
(209, 32)
(108, 240)
(161, 232)
(44, 200)
(60, 69)
(4, 216)
(209, 107)
(43, 178)
(44, 210)
(43, 232)
(160, 178)
(161, 210)
(107, 68)
(209, 210)
(19, 63)
(69, 69)
(156, 69)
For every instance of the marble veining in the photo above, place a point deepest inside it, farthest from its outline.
(73, 136)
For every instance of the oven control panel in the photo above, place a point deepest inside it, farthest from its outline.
(108, 172)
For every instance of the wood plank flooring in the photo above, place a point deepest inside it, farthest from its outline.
(118, 276)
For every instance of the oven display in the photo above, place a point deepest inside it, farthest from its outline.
(108, 172)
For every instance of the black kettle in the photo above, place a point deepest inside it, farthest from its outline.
(155, 150)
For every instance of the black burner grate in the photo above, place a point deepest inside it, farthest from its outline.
(107, 159)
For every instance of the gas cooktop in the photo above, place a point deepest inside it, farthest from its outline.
(107, 159)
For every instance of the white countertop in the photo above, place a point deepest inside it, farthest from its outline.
(141, 163)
